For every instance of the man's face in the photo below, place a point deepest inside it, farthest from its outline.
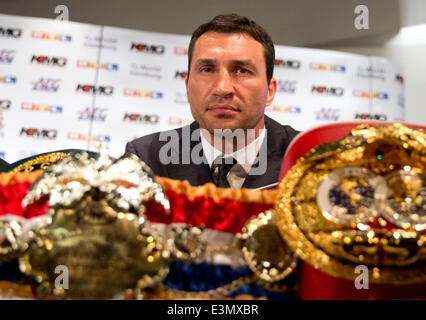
(227, 86)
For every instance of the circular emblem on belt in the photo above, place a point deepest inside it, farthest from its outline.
(406, 199)
(351, 195)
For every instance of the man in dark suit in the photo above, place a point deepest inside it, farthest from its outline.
(229, 84)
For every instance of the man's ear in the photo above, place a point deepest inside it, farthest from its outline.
(186, 84)
(272, 89)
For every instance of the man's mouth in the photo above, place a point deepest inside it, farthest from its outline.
(222, 109)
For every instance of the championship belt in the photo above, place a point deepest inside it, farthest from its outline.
(120, 232)
(344, 206)
(354, 210)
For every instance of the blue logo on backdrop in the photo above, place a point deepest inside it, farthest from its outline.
(8, 79)
(327, 114)
(286, 86)
(46, 84)
(96, 114)
(6, 56)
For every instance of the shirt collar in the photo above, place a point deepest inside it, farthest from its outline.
(244, 156)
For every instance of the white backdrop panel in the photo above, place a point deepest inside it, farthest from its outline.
(67, 85)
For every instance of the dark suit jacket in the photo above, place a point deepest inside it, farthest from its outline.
(147, 148)
(3, 163)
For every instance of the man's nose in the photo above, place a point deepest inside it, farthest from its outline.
(224, 86)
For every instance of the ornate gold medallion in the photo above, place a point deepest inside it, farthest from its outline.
(264, 250)
(351, 195)
(406, 199)
(359, 200)
(10, 245)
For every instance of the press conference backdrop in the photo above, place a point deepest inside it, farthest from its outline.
(66, 85)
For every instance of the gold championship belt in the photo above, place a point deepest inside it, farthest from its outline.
(90, 215)
(360, 200)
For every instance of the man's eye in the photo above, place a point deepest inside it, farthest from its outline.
(206, 69)
(242, 70)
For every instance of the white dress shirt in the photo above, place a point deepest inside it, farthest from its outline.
(245, 158)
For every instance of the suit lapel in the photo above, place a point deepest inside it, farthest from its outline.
(197, 173)
(275, 153)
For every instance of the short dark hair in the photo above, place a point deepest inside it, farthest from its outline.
(234, 23)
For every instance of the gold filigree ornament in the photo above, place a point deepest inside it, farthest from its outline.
(264, 250)
(40, 162)
(11, 246)
(96, 228)
(359, 200)
(261, 245)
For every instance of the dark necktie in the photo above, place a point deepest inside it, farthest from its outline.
(220, 169)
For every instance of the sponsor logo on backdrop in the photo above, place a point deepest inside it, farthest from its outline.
(78, 136)
(181, 75)
(92, 65)
(5, 104)
(95, 114)
(46, 84)
(180, 51)
(98, 90)
(373, 95)
(371, 72)
(8, 79)
(49, 61)
(92, 41)
(50, 134)
(327, 114)
(141, 118)
(288, 64)
(6, 56)
(327, 67)
(371, 116)
(286, 86)
(329, 91)
(145, 71)
(180, 97)
(14, 33)
(399, 78)
(177, 121)
(157, 49)
(30, 106)
(128, 92)
(284, 109)
(51, 36)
